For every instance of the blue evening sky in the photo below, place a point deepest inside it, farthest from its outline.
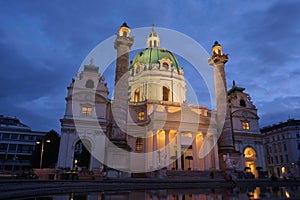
(43, 43)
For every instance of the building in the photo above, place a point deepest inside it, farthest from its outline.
(248, 139)
(149, 119)
(282, 147)
(17, 142)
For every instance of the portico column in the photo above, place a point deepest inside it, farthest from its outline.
(179, 150)
(167, 147)
(206, 145)
(212, 152)
(195, 157)
(217, 163)
(154, 148)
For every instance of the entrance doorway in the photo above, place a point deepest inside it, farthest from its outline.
(82, 156)
(250, 161)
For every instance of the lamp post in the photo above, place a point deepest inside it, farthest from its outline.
(42, 150)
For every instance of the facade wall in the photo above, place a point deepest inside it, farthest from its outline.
(86, 119)
(248, 139)
(17, 142)
(282, 147)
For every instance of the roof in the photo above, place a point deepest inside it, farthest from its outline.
(9, 121)
(288, 123)
(216, 44)
(153, 55)
(124, 25)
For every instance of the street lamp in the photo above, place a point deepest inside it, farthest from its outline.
(42, 150)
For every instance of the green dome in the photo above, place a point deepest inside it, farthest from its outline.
(153, 55)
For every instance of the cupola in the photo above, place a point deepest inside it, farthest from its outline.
(124, 30)
(153, 40)
(216, 49)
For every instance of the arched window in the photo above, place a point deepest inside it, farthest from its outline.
(155, 45)
(137, 70)
(89, 84)
(165, 65)
(139, 144)
(150, 44)
(242, 103)
(137, 95)
(124, 33)
(166, 93)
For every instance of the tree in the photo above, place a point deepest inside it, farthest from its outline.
(51, 150)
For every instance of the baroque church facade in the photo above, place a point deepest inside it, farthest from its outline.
(149, 125)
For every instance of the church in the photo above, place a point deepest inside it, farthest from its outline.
(149, 126)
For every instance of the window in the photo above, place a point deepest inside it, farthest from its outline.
(275, 148)
(165, 66)
(124, 33)
(89, 84)
(14, 136)
(279, 147)
(272, 160)
(12, 148)
(141, 116)
(286, 158)
(166, 93)
(5, 136)
(3, 147)
(276, 159)
(297, 135)
(278, 138)
(281, 159)
(139, 144)
(155, 43)
(138, 69)
(86, 111)
(270, 149)
(242, 103)
(150, 44)
(137, 95)
(284, 147)
(298, 145)
(245, 125)
(283, 137)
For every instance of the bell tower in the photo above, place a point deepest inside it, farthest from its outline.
(226, 141)
(118, 158)
(123, 45)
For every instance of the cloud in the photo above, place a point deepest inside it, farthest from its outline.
(42, 44)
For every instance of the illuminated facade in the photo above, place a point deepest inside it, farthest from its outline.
(171, 133)
(248, 139)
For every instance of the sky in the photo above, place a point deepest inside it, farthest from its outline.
(43, 43)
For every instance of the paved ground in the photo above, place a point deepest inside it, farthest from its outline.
(15, 188)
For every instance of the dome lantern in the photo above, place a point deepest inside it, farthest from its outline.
(153, 40)
(124, 30)
(216, 49)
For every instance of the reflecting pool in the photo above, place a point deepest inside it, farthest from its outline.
(184, 194)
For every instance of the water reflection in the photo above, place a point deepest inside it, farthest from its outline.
(185, 194)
